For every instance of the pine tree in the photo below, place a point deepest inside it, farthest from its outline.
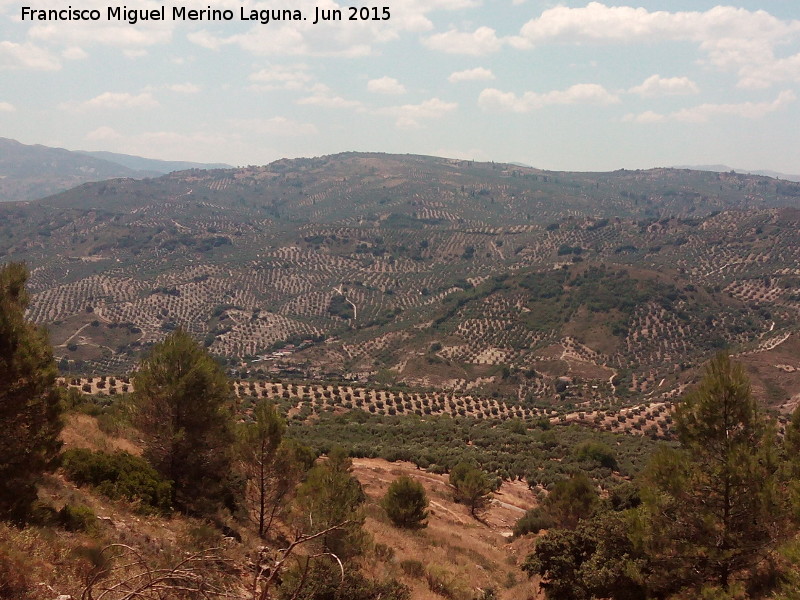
(185, 411)
(30, 408)
(791, 457)
(713, 509)
(406, 503)
(329, 497)
(270, 463)
(471, 486)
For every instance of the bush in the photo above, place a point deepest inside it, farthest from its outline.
(77, 518)
(597, 452)
(533, 521)
(406, 503)
(383, 552)
(119, 476)
(14, 583)
(444, 583)
(413, 568)
(572, 500)
(323, 581)
(596, 560)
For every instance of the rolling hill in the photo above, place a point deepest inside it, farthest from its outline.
(549, 289)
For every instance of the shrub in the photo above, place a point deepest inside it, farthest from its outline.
(119, 476)
(77, 518)
(42, 515)
(444, 583)
(13, 581)
(533, 521)
(413, 568)
(406, 503)
(323, 580)
(597, 452)
(384, 552)
(572, 500)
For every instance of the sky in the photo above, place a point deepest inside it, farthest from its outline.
(590, 86)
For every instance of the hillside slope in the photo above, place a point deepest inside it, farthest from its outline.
(393, 261)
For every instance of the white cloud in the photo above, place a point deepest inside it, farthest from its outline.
(476, 74)
(581, 93)
(598, 22)
(115, 100)
(7, 107)
(480, 42)
(274, 126)
(184, 88)
(761, 74)
(647, 116)
(386, 85)
(26, 56)
(323, 96)
(410, 115)
(103, 34)
(134, 52)
(747, 110)
(286, 40)
(655, 85)
(74, 53)
(206, 40)
(705, 112)
(282, 77)
(347, 39)
(734, 39)
(103, 134)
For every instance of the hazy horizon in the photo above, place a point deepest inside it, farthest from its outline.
(579, 86)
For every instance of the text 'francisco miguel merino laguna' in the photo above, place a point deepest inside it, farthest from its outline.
(182, 13)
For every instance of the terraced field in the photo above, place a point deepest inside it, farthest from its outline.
(514, 287)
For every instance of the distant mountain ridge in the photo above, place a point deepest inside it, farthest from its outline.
(727, 169)
(161, 167)
(29, 172)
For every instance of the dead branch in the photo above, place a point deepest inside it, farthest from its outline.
(135, 579)
(267, 578)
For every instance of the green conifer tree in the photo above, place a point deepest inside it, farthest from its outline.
(184, 407)
(30, 408)
(572, 500)
(713, 509)
(406, 503)
(330, 497)
(271, 464)
(471, 486)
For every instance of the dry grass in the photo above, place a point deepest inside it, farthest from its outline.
(469, 555)
(82, 431)
(457, 553)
